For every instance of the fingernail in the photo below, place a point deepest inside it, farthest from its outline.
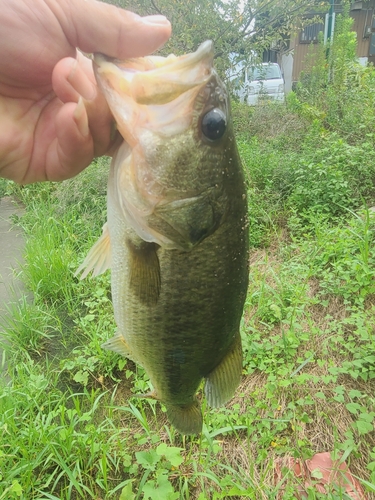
(80, 117)
(155, 20)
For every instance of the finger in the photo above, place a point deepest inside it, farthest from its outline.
(73, 149)
(101, 122)
(99, 27)
(70, 80)
(74, 78)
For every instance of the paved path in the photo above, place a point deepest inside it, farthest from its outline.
(11, 249)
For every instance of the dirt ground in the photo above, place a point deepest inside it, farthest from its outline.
(11, 249)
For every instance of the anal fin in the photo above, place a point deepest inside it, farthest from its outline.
(98, 259)
(145, 279)
(223, 381)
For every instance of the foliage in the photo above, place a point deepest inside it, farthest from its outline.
(3, 187)
(334, 107)
(70, 426)
(238, 28)
(337, 88)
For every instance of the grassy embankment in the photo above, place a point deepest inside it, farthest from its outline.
(69, 427)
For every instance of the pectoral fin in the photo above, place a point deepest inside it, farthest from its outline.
(145, 279)
(222, 382)
(147, 395)
(117, 344)
(98, 259)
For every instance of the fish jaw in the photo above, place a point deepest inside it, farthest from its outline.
(154, 91)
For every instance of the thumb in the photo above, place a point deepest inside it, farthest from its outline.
(94, 26)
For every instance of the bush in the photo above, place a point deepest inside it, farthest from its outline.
(334, 177)
(336, 89)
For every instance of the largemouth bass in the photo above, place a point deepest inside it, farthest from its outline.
(176, 236)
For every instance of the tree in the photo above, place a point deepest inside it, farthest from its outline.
(242, 28)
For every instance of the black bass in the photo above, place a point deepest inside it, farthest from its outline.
(176, 236)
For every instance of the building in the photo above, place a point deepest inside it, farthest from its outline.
(293, 58)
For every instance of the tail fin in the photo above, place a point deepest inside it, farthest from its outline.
(186, 418)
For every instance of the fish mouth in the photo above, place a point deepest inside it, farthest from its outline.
(154, 93)
(155, 80)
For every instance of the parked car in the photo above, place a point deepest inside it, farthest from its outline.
(263, 82)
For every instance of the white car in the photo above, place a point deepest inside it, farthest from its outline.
(263, 82)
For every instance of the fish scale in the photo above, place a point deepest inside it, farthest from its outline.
(176, 236)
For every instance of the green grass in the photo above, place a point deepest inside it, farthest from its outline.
(70, 426)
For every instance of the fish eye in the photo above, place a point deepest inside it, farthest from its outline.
(214, 124)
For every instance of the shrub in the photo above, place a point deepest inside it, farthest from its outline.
(336, 89)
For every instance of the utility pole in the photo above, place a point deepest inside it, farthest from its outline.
(330, 23)
(328, 32)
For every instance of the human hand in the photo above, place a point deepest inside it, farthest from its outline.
(47, 132)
